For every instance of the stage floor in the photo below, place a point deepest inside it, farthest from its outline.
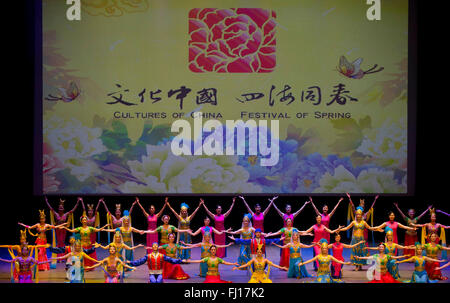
(238, 276)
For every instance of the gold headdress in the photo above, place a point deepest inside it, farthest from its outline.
(23, 234)
(432, 211)
(90, 206)
(118, 207)
(41, 214)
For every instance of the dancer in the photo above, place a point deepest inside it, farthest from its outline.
(295, 257)
(85, 232)
(410, 235)
(152, 220)
(184, 222)
(164, 231)
(41, 239)
(419, 274)
(366, 216)
(320, 232)
(126, 230)
(287, 234)
(208, 229)
(18, 249)
(259, 264)
(60, 217)
(337, 249)
(155, 262)
(381, 273)
(359, 226)
(391, 249)
(393, 225)
(246, 233)
(324, 259)
(258, 239)
(112, 266)
(170, 270)
(121, 246)
(212, 262)
(93, 218)
(25, 262)
(75, 263)
(432, 249)
(219, 224)
(205, 245)
(116, 219)
(325, 216)
(257, 215)
(433, 227)
(287, 214)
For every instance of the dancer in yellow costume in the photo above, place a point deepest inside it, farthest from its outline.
(259, 275)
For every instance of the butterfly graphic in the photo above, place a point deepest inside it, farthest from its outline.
(353, 70)
(67, 94)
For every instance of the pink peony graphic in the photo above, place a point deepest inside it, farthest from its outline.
(235, 40)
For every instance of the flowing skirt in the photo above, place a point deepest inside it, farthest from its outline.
(42, 254)
(384, 278)
(25, 277)
(420, 277)
(215, 279)
(359, 250)
(174, 271)
(433, 273)
(409, 240)
(336, 268)
(296, 272)
(203, 270)
(244, 254)
(392, 268)
(93, 255)
(184, 254)
(326, 278)
(60, 241)
(221, 240)
(258, 277)
(284, 259)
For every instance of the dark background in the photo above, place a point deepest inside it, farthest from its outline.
(18, 132)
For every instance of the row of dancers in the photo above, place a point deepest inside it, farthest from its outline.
(169, 254)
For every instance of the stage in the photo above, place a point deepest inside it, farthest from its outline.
(140, 275)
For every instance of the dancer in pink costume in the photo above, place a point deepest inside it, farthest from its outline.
(152, 220)
(287, 214)
(257, 215)
(219, 224)
(325, 215)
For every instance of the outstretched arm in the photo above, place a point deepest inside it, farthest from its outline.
(406, 227)
(162, 209)
(334, 209)
(196, 210)
(339, 261)
(246, 205)
(268, 206)
(210, 214)
(354, 245)
(423, 214)
(75, 207)
(174, 212)
(300, 210)
(276, 266)
(314, 206)
(142, 208)
(231, 207)
(49, 206)
(351, 202)
(348, 227)
(244, 265)
(400, 211)
(278, 211)
(309, 261)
